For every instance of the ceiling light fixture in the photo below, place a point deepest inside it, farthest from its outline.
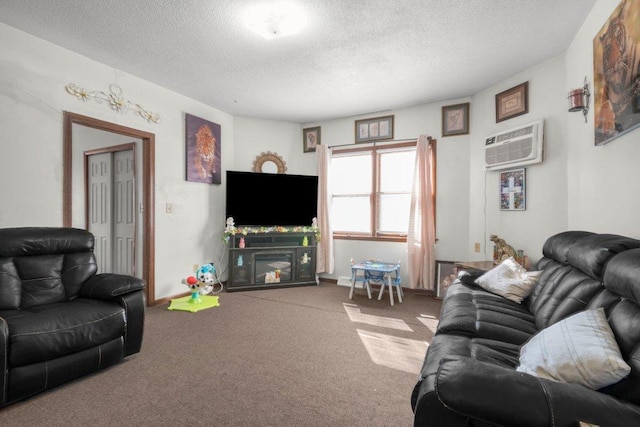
(274, 20)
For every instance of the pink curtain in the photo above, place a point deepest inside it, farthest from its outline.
(421, 238)
(324, 258)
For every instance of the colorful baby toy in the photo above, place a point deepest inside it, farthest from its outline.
(202, 283)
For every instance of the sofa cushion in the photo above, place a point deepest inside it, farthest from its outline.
(592, 253)
(30, 241)
(54, 330)
(580, 349)
(472, 311)
(509, 280)
(563, 291)
(557, 246)
(623, 275)
(43, 265)
(10, 285)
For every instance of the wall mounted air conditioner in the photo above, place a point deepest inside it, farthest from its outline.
(515, 147)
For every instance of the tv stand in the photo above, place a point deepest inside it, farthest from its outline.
(271, 260)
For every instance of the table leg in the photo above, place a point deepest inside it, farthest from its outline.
(368, 285)
(390, 288)
(353, 284)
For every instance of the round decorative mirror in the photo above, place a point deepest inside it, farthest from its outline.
(269, 163)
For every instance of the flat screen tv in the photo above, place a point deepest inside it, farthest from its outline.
(265, 199)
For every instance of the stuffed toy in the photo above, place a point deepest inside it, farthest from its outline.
(205, 275)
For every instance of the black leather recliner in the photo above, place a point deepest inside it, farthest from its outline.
(59, 320)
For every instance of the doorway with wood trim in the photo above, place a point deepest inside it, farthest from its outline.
(145, 204)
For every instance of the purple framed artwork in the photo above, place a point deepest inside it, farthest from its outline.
(203, 141)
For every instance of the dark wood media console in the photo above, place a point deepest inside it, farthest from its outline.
(271, 260)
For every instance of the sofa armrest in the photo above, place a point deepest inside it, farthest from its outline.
(108, 285)
(500, 395)
(126, 291)
(4, 361)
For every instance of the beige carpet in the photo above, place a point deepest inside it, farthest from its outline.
(305, 356)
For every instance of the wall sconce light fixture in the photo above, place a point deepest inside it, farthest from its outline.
(579, 99)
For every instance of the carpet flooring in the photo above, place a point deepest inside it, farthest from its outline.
(304, 356)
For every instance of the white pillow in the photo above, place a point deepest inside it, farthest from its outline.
(510, 280)
(580, 349)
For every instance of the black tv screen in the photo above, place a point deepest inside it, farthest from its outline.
(265, 199)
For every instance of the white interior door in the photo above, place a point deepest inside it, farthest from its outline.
(111, 210)
(123, 213)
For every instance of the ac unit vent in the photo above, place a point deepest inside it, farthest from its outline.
(515, 147)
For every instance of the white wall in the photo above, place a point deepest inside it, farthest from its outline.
(546, 182)
(452, 185)
(33, 76)
(255, 136)
(602, 180)
(578, 186)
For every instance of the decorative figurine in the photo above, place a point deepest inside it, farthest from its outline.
(502, 250)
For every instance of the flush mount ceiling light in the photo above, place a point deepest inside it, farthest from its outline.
(273, 20)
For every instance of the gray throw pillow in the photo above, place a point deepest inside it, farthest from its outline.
(580, 349)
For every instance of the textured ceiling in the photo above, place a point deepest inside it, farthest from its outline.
(352, 57)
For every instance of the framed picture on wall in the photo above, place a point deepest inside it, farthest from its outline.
(310, 139)
(512, 102)
(615, 74)
(512, 190)
(203, 141)
(445, 275)
(375, 129)
(455, 119)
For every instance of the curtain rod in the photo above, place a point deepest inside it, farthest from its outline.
(374, 143)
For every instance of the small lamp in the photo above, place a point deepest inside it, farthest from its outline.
(579, 99)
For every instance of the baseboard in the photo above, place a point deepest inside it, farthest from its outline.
(377, 286)
(337, 282)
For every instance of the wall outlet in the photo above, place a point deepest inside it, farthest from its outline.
(169, 208)
(476, 247)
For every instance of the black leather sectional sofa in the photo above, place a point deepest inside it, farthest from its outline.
(59, 320)
(470, 377)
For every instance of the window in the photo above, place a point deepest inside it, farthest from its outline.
(372, 191)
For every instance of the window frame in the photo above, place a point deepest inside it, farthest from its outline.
(373, 235)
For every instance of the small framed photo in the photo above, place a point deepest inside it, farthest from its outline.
(512, 102)
(512, 190)
(455, 119)
(310, 139)
(374, 129)
(445, 275)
